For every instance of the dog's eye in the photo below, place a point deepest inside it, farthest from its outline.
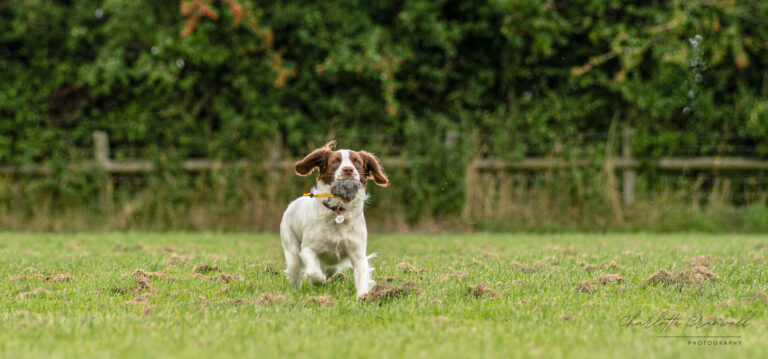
(357, 162)
(335, 162)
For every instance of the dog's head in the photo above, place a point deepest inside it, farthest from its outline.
(334, 165)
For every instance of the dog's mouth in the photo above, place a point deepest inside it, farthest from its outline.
(345, 189)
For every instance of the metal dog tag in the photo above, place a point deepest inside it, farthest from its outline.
(339, 218)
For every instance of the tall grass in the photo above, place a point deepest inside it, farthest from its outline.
(253, 200)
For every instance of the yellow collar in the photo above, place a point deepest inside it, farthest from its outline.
(318, 195)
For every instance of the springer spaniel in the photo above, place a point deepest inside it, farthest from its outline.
(324, 232)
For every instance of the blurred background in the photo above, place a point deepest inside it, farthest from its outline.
(498, 115)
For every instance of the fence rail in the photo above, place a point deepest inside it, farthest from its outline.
(624, 163)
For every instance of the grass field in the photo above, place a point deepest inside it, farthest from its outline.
(215, 295)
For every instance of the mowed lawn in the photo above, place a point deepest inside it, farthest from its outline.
(192, 295)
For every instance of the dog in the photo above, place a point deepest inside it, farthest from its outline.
(324, 231)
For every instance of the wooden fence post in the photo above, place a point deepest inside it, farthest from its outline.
(629, 175)
(101, 155)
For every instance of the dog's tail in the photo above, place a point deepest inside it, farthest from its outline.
(369, 257)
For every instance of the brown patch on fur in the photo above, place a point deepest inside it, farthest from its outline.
(481, 290)
(385, 291)
(206, 268)
(457, 275)
(609, 278)
(270, 297)
(372, 169)
(322, 300)
(140, 299)
(586, 287)
(35, 293)
(318, 159)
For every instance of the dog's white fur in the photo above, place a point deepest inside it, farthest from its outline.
(316, 246)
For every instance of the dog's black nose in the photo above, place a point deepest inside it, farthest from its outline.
(347, 171)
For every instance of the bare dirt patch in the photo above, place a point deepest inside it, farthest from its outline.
(586, 287)
(639, 255)
(695, 276)
(143, 283)
(481, 290)
(321, 300)
(612, 265)
(409, 268)
(606, 278)
(226, 278)
(701, 260)
(270, 297)
(456, 275)
(129, 248)
(205, 268)
(35, 293)
(491, 255)
(140, 299)
(389, 278)
(174, 259)
(59, 277)
(533, 268)
(660, 277)
(759, 297)
(701, 273)
(271, 268)
(384, 291)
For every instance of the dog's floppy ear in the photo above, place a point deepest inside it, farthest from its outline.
(373, 168)
(316, 159)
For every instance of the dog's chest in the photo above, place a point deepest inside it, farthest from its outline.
(330, 241)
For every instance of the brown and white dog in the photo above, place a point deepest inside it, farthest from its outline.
(323, 234)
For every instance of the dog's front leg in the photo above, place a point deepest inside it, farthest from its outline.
(362, 272)
(312, 266)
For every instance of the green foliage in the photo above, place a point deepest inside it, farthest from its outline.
(495, 78)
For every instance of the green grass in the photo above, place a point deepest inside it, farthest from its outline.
(536, 313)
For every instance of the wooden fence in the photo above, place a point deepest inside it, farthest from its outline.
(625, 163)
